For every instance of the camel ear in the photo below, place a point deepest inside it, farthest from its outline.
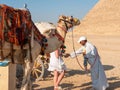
(71, 18)
(62, 17)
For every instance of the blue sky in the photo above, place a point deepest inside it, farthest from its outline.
(49, 10)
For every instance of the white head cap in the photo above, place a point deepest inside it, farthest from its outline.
(82, 38)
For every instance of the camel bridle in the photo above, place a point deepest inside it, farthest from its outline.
(65, 22)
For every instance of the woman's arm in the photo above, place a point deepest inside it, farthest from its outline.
(57, 53)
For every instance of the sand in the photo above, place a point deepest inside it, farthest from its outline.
(109, 50)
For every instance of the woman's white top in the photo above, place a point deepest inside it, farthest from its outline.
(56, 63)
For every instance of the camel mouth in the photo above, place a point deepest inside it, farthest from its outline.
(77, 22)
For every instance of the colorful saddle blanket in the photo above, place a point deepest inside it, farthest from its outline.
(16, 25)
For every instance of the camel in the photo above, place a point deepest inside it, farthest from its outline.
(55, 35)
(37, 42)
(17, 35)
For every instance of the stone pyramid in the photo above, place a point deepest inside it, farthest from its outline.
(104, 18)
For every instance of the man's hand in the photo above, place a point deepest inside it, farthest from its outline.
(84, 53)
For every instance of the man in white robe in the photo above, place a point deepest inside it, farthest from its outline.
(89, 51)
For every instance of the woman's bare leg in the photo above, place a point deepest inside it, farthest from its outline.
(60, 77)
(55, 79)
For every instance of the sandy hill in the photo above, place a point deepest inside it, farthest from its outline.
(104, 18)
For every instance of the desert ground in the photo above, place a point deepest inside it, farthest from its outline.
(109, 50)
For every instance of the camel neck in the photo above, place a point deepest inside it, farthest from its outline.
(61, 29)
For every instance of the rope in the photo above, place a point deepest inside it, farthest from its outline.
(78, 59)
(12, 53)
(77, 56)
(75, 52)
(1, 51)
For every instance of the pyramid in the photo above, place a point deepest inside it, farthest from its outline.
(104, 18)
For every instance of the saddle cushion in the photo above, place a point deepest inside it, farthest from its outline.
(15, 25)
(47, 29)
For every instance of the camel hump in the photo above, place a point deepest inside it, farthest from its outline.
(45, 27)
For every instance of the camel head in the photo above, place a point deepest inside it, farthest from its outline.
(68, 21)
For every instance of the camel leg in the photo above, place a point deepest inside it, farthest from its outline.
(26, 83)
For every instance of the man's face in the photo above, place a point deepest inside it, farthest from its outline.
(83, 42)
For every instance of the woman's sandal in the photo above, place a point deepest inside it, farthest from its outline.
(59, 88)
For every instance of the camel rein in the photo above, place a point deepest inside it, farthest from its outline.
(75, 52)
(65, 22)
(77, 56)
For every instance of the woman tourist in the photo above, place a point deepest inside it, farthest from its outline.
(58, 67)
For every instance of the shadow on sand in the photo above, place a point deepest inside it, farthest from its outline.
(113, 85)
(80, 72)
(86, 86)
(65, 86)
(108, 67)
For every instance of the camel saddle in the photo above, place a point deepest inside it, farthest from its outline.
(15, 25)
